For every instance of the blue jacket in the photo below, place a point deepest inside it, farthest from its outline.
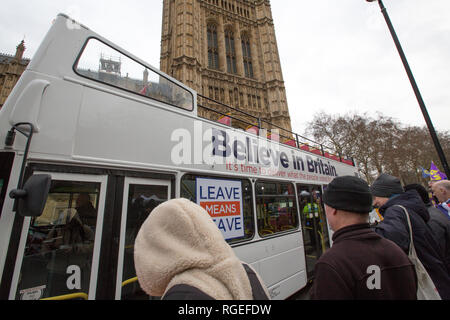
(395, 228)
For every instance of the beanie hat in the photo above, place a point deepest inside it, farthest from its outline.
(350, 194)
(385, 186)
(423, 193)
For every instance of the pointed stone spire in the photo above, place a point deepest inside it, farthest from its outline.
(145, 78)
(19, 51)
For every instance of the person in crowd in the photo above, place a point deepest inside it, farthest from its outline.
(360, 264)
(441, 190)
(388, 194)
(433, 199)
(438, 222)
(180, 254)
(70, 244)
(86, 210)
(310, 215)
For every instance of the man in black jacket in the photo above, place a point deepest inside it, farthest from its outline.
(438, 223)
(360, 264)
(387, 194)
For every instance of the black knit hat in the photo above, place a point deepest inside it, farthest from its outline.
(385, 186)
(423, 193)
(348, 193)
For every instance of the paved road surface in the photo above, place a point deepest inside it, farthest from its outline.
(302, 294)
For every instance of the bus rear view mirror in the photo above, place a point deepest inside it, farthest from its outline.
(32, 198)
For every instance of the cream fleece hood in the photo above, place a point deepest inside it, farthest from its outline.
(179, 243)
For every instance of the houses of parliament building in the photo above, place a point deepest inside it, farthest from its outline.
(11, 68)
(226, 50)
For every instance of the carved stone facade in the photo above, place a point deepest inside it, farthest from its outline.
(11, 68)
(226, 50)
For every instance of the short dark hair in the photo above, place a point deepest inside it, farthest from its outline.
(423, 193)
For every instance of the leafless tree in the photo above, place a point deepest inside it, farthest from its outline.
(379, 144)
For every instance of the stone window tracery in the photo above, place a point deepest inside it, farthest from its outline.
(230, 51)
(213, 47)
(247, 56)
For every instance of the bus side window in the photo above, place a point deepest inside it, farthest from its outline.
(276, 207)
(188, 191)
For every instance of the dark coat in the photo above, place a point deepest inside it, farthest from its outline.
(395, 227)
(88, 214)
(440, 225)
(187, 292)
(343, 271)
(444, 210)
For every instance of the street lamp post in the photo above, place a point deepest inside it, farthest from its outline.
(437, 145)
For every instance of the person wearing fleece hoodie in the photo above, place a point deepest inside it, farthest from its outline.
(180, 254)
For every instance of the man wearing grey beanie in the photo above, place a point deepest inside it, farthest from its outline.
(360, 264)
(388, 194)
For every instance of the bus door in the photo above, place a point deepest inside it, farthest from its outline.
(59, 251)
(314, 224)
(140, 197)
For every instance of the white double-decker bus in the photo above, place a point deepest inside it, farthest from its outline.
(92, 139)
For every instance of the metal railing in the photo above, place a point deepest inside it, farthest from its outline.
(239, 119)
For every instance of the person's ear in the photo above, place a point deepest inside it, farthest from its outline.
(332, 211)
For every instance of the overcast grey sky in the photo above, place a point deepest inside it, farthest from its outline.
(337, 56)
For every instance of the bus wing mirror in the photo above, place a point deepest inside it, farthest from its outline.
(32, 198)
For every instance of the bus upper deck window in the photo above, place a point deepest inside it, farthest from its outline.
(105, 64)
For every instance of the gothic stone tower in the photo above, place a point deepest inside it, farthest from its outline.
(226, 50)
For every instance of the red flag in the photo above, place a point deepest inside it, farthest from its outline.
(225, 120)
(290, 142)
(305, 147)
(144, 90)
(334, 157)
(316, 151)
(348, 161)
(274, 137)
(252, 129)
